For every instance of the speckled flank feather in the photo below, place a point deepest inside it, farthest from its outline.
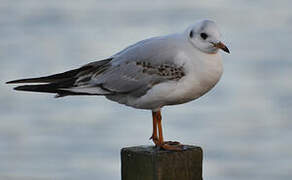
(170, 71)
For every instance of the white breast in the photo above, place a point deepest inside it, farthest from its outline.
(202, 74)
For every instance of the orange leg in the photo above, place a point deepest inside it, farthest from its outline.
(154, 133)
(168, 145)
(158, 115)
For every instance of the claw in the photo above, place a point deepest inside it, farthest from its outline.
(155, 140)
(151, 137)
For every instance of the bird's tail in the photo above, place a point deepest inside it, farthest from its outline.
(51, 78)
(55, 87)
(58, 83)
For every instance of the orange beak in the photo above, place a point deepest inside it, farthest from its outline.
(222, 46)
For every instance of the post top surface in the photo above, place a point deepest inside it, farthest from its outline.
(146, 149)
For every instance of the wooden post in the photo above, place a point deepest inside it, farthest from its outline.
(150, 163)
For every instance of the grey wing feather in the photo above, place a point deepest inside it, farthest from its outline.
(138, 77)
(134, 78)
(134, 70)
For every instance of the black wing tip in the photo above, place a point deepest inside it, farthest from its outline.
(46, 88)
(23, 88)
(18, 81)
(11, 82)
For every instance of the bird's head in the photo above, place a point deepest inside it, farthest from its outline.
(205, 36)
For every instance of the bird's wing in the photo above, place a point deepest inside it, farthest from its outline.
(135, 69)
(135, 77)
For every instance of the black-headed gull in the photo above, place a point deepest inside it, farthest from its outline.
(150, 74)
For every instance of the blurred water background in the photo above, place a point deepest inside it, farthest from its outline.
(244, 124)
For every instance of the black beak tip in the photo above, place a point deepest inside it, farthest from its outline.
(226, 50)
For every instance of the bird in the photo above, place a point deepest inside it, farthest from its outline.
(150, 74)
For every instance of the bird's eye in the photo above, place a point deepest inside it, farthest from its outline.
(204, 36)
(191, 34)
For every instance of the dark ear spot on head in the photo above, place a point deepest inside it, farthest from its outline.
(191, 34)
(204, 36)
